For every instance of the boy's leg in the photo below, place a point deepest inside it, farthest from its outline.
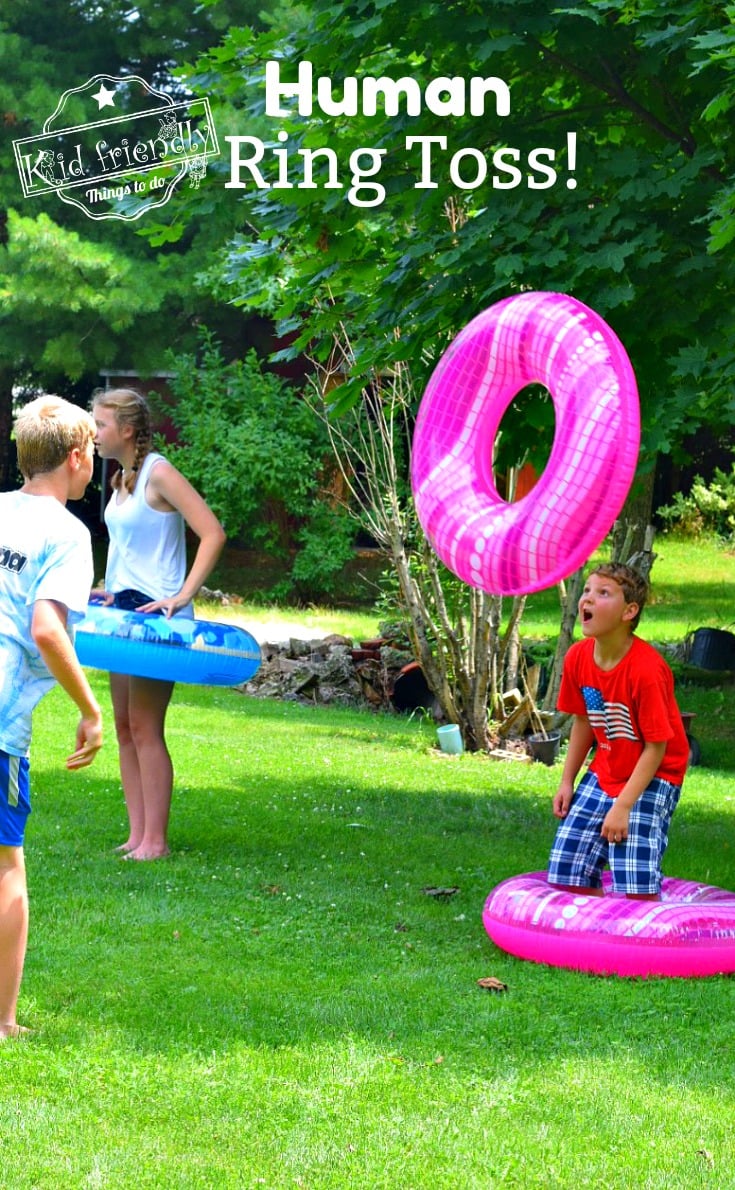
(13, 934)
(579, 850)
(636, 863)
(14, 810)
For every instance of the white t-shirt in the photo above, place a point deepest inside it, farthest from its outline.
(45, 553)
(147, 548)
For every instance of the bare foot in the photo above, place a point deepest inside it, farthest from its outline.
(12, 1032)
(124, 848)
(146, 852)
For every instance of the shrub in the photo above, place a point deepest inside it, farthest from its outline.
(709, 508)
(251, 445)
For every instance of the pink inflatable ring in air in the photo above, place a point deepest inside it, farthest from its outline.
(531, 338)
(689, 932)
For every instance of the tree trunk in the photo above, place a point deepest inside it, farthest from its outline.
(635, 517)
(569, 594)
(459, 664)
(454, 629)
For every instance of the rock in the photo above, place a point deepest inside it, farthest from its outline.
(327, 670)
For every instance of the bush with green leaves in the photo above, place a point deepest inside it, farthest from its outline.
(249, 442)
(709, 507)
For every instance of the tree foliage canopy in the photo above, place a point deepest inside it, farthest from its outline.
(78, 295)
(640, 233)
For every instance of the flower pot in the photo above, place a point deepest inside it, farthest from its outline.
(544, 747)
(713, 648)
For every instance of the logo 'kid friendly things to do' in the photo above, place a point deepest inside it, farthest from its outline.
(117, 163)
(120, 163)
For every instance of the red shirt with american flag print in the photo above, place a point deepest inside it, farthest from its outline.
(627, 707)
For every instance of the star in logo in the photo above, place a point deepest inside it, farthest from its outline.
(104, 97)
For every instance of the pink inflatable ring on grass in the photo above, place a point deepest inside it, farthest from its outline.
(689, 932)
(531, 338)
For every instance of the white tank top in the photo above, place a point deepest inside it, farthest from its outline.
(147, 548)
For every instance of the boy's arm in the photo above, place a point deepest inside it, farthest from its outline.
(48, 629)
(580, 742)
(615, 825)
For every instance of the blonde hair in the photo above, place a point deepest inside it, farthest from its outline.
(46, 430)
(129, 408)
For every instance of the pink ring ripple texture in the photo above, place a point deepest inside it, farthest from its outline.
(530, 338)
(690, 932)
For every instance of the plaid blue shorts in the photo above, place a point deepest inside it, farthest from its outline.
(579, 852)
(15, 800)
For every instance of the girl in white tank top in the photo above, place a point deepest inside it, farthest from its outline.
(147, 546)
(150, 507)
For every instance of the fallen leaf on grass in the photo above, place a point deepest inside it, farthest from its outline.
(491, 984)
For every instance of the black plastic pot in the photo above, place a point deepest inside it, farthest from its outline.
(713, 648)
(544, 747)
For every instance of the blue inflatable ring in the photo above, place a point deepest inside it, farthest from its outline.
(199, 652)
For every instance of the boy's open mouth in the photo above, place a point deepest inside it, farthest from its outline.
(586, 615)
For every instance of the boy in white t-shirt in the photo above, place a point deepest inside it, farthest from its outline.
(45, 578)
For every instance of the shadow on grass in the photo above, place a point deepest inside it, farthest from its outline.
(293, 913)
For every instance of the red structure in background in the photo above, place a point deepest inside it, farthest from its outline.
(526, 481)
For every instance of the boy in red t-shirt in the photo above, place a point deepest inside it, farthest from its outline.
(621, 693)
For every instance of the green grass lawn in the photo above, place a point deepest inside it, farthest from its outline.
(280, 1004)
(692, 586)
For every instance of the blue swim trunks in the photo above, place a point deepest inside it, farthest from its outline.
(579, 852)
(15, 800)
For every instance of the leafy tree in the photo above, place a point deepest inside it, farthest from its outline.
(627, 101)
(714, 51)
(66, 299)
(78, 294)
(645, 86)
(251, 445)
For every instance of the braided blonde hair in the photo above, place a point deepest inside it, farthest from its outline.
(129, 408)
